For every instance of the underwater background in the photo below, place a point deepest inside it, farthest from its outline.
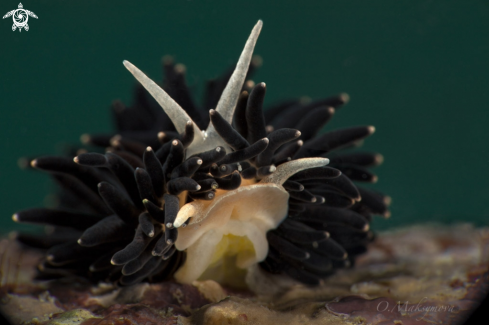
(416, 70)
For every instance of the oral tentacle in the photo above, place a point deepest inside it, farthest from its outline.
(286, 170)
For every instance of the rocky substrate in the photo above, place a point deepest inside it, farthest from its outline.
(430, 274)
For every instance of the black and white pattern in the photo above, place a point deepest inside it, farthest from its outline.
(117, 219)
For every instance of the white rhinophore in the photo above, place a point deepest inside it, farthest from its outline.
(174, 111)
(208, 139)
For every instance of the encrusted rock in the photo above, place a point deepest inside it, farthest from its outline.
(417, 275)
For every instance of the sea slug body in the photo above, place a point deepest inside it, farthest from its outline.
(205, 193)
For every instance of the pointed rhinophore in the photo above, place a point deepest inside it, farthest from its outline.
(230, 95)
(286, 170)
(176, 113)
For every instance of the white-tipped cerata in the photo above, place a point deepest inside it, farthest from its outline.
(286, 170)
(174, 111)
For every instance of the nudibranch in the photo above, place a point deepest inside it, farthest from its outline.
(205, 193)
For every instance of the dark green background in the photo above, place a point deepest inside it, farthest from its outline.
(417, 70)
